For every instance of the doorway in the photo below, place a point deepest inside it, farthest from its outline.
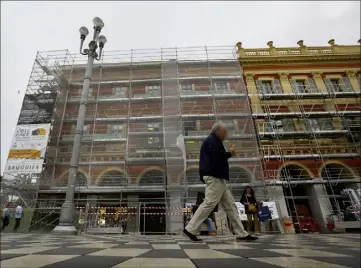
(152, 219)
(298, 205)
(152, 214)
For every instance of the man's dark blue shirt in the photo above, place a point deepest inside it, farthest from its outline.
(214, 158)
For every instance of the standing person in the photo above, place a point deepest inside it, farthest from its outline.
(248, 199)
(6, 216)
(214, 172)
(19, 213)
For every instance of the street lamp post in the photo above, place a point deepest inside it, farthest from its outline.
(67, 214)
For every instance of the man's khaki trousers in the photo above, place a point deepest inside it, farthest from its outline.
(217, 191)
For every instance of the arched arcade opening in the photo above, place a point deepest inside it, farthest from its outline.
(153, 218)
(113, 178)
(297, 192)
(239, 177)
(81, 180)
(338, 178)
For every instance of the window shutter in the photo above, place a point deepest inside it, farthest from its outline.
(259, 87)
(329, 85)
(311, 86)
(347, 84)
(277, 86)
(294, 86)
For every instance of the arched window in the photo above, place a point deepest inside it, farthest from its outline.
(294, 172)
(81, 180)
(239, 175)
(152, 177)
(334, 174)
(113, 178)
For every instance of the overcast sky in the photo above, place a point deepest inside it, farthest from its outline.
(28, 27)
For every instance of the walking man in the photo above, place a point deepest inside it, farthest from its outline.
(214, 172)
(19, 213)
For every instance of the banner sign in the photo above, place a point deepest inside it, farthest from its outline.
(241, 211)
(14, 167)
(37, 108)
(29, 142)
(272, 208)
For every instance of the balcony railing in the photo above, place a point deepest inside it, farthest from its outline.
(302, 92)
(308, 151)
(157, 95)
(69, 136)
(303, 111)
(295, 51)
(269, 152)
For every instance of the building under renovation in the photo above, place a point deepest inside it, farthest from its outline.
(293, 116)
(307, 110)
(148, 112)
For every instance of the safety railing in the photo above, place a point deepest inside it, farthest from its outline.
(288, 150)
(123, 217)
(309, 90)
(292, 110)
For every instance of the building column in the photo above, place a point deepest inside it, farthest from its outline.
(351, 75)
(253, 93)
(133, 220)
(320, 205)
(275, 194)
(92, 218)
(174, 223)
(285, 83)
(317, 78)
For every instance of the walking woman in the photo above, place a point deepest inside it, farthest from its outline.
(250, 206)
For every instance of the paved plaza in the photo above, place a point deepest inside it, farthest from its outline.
(115, 251)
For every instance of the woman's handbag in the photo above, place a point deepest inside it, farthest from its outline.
(251, 207)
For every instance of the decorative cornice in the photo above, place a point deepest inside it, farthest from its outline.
(283, 76)
(317, 75)
(351, 73)
(249, 77)
(299, 59)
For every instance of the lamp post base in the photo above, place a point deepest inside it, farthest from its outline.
(66, 230)
(66, 221)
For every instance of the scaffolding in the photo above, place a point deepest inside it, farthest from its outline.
(148, 112)
(310, 132)
(43, 103)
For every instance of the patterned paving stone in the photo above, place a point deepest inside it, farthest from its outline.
(89, 262)
(297, 262)
(231, 263)
(272, 251)
(164, 253)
